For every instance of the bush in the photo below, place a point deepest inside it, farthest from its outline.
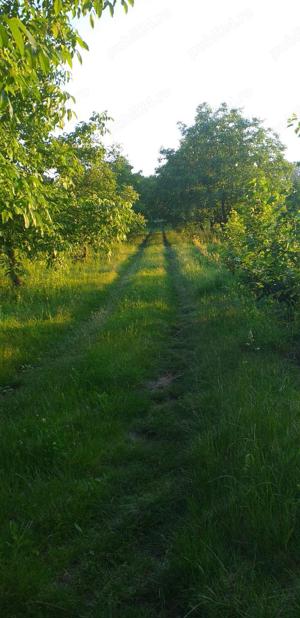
(262, 243)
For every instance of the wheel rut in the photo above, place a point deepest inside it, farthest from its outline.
(164, 436)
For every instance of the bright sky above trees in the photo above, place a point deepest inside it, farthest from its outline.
(152, 67)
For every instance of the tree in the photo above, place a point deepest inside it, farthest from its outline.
(146, 186)
(262, 243)
(231, 172)
(38, 37)
(88, 207)
(38, 42)
(121, 167)
(218, 158)
(99, 211)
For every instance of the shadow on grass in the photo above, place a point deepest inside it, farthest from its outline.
(37, 323)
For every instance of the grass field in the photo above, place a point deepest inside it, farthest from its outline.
(150, 459)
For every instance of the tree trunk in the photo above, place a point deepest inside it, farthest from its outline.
(13, 266)
(223, 210)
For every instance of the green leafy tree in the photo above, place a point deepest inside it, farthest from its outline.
(91, 208)
(231, 172)
(263, 243)
(218, 156)
(38, 42)
(37, 37)
(121, 167)
(148, 203)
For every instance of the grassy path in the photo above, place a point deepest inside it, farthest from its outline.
(150, 465)
(79, 484)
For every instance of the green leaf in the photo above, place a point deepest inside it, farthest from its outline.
(44, 62)
(67, 57)
(81, 42)
(10, 108)
(99, 7)
(26, 220)
(13, 23)
(3, 100)
(6, 216)
(57, 6)
(92, 20)
(28, 34)
(3, 36)
(55, 29)
(79, 56)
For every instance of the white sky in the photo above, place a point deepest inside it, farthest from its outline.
(152, 67)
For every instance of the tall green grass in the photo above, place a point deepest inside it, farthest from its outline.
(150, 457)
(35, 317)
(237, 551)
(82, 491)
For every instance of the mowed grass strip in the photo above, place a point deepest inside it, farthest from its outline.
(237, 550)
(51, 303)
(85, 494)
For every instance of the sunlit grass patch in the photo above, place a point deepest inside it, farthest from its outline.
(153, 272)
(50, 302)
